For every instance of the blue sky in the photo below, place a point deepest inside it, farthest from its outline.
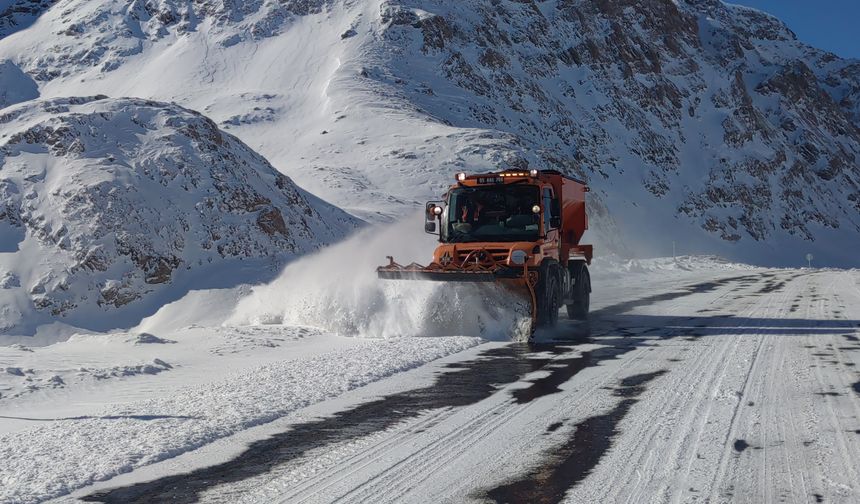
(833, 25)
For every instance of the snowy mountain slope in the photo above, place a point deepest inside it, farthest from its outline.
(695, 121)
(678, 113)
(112, 207)
(16, 15)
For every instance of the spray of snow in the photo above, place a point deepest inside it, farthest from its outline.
(338, 290)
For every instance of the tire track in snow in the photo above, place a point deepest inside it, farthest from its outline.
(361, 458)
(572, 461)
(682, 419)
(749, 374)
(733, 476)
(466, 383)
(847, 467)
(699, 369)
(673, 333)
(707, 372)
(789, 458)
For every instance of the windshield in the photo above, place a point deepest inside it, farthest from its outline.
(492, 213)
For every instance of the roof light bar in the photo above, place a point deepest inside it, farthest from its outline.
(531, 173)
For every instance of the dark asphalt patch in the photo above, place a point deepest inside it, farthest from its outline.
(569, 463)
(850, 337)
(771, 286)
(554, 427)
(741, 445)
(560, 372)
(856, 387)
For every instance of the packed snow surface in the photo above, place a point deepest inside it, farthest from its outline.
(750, 373)
(168, 388)
(137, 433)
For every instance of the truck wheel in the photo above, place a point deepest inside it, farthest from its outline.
(578, 310)
(550, 300)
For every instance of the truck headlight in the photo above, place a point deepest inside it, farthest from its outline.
(519, 257)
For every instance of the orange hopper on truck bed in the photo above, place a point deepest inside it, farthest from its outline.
(521, 228)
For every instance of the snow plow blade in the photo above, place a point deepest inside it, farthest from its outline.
(439, 273)
(436, 276)
(489, 272)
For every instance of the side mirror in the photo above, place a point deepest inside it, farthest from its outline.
(432, 214)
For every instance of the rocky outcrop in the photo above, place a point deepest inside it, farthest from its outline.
(715, 110)
(110, 199)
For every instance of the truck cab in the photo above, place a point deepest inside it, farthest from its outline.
(521, 228)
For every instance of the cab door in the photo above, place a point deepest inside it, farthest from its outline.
(551, 223)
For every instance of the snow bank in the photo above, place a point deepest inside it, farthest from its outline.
(613, 265)
(57, 459)
(338, 290)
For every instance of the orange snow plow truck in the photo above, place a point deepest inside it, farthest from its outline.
(519, 228)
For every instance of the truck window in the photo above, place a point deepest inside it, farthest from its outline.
(492, 213)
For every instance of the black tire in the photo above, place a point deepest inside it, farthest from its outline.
(549, 298)
(578, 310)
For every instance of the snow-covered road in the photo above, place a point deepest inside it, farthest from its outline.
(734, 386)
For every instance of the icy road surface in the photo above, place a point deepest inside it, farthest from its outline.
(740, 387)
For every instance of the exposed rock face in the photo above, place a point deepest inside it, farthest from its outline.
(109, 199)
(714, 109)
